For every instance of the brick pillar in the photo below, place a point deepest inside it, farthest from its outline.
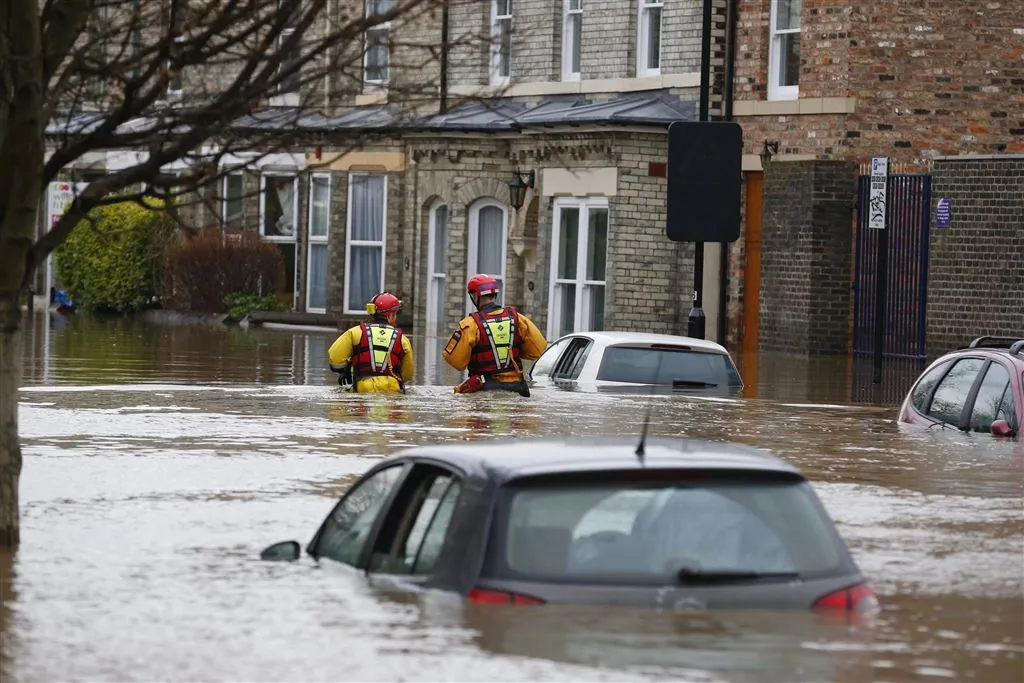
(976, 265)
(806, 256)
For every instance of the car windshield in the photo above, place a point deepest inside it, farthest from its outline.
(665, 532)
(653, 365)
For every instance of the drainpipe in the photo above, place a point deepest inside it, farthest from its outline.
(730, 76)
(443, 109)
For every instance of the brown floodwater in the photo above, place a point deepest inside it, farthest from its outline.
(161, 458)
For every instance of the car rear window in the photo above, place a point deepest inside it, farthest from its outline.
(648, 531)
(654, 365)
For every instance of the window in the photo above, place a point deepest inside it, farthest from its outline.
(232, 196)
(364, 250)
(648, 41)
(319, 234)
(922, 393)
(346, 530)
(174, 67)
(437, 261)
(376, 58)
(572, 39)
(288, 73)
(647, 531)
(951, 394)
(578, 266)
(676, 367)
(501, 41)
(784, 51)
(544, 365)
(488, 234)
(992, 394)
(571, 363)
(279, 204)
(97, 52)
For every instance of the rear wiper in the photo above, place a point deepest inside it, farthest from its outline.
(696, 576)
(691, 384)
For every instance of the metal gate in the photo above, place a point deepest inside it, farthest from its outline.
(909, 201)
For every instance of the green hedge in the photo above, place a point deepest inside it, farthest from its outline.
(109, 261)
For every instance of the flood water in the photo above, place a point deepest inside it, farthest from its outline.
(160, 459)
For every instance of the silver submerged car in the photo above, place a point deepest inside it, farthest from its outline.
(673, 524)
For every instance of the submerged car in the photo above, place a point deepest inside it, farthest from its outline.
(670, 523)
(614, 360)
(978, 388)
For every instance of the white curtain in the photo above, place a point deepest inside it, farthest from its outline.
(279, 206)
(367, 225)
(318, 276)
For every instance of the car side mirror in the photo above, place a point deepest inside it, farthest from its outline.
(285, 551)
(1002, 428)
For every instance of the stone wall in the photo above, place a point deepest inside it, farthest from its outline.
(976, 266)
(805, 260)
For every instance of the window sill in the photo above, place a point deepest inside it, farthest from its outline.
(807, 106)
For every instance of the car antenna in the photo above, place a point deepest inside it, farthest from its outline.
(640, 450)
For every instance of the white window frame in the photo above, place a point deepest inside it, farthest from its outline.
(775, 91)
(316, 240)
(349, 242)
(473, 241)
(497, 78)
(286, 239)
(643, 37)
(433, 326)
(572, 20)
(584, 205)
(385, 28)
(224, 199)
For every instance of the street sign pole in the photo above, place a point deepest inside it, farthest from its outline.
(878, 219)
(697, 321)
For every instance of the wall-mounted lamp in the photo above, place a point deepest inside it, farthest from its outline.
(517, 188)
(770, 149)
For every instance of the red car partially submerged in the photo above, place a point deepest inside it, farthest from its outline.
(979, 388)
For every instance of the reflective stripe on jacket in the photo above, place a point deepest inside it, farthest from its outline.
(497, 347)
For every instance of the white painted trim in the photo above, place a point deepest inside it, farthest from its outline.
(312, 240)
(777, 92)
(431, 323)
(295, 206)
(643, 39)
(584, 205)
(582, 87)
(286, 160)
(472, 240)
(348, 241)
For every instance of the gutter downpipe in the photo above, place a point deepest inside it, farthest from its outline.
(443, 108)
(730, 76)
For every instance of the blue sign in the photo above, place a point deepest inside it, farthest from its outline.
(942, 212)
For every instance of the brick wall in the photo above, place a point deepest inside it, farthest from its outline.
(805, 262)
(976, 266)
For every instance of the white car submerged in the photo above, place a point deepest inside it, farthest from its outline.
(619, 360)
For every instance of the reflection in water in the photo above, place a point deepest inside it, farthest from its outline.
(160, 459)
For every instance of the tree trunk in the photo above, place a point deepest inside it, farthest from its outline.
(10, 450)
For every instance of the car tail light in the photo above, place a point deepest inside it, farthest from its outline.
(860, 599)
(501, 597)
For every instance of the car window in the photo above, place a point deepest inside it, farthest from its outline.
(1008, 409)
(649, 532)
(951, 394)
(988, 404)
(923, 391)
(543, 366)
(347, 528)
(571, 363)
(413, 542)
(647, 365)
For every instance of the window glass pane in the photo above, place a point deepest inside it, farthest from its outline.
(919, 398)
(565, 295)
(989, 400)
(597, 243)
(430, 549)
(364, 275)
(320, 206)
(654, 38)
(377, 56)
(951, 395)
(594, 301)
(662, 366)
(547, 360)
(367, 208)
(568, 243)
(1008, 409)
(438, 287)
(346, 530)
(789, 59)
(233, 194)
(441, 239)
(279, 206)
(787, 15)
(377, 7)
(490, 241)
(504, 29)
(502, 7)
(317, 276)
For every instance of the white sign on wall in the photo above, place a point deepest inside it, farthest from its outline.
(879, 191)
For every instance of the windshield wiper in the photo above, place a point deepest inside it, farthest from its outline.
(691, 384)
(696, 576)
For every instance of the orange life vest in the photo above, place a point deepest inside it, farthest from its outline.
(378, 352)
(498, 342)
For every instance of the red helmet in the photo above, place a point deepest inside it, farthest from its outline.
(482, 285)
(384, 303)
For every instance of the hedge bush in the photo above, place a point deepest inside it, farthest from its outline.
(200, 270)
(110, 261)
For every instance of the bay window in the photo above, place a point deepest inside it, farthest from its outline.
(578, 265)
(364, 249)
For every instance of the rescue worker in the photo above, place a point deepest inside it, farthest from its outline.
(374, 357)
(492, 342)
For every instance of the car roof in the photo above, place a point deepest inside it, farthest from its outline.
(622, 337)
(506, 459)
(1007, 347)
(1016, 359)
